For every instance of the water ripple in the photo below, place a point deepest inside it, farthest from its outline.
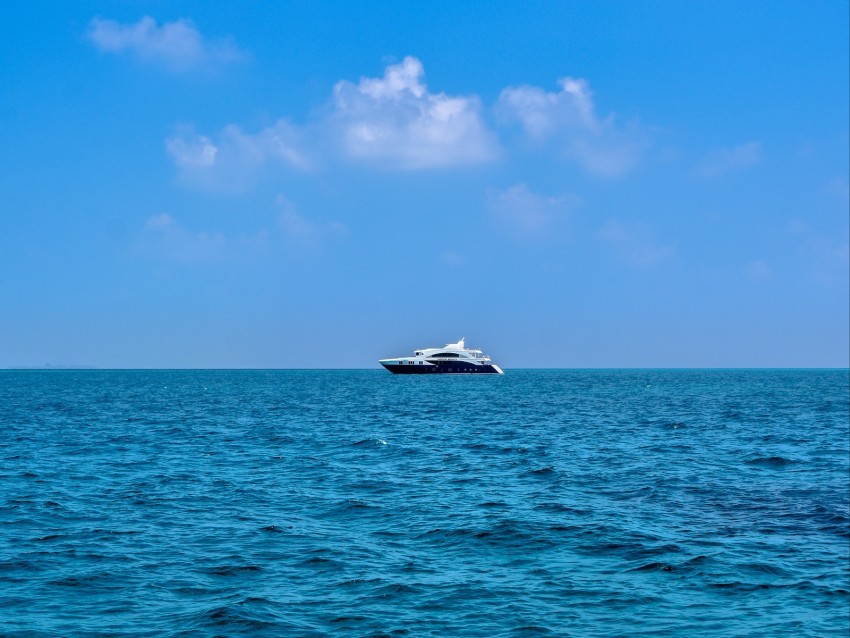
(197, 503)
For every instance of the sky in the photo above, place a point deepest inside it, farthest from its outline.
(320, 185)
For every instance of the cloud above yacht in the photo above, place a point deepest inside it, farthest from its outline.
(395, 122)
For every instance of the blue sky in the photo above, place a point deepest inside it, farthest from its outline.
(598, 184)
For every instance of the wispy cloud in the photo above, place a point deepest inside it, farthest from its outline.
(178, 45)
(522, 211)
(395, 122)
(568, 119)
(634, 244)
(233, 159)
(730, 160)
(165, 238)
(190, 150)
(302, 229)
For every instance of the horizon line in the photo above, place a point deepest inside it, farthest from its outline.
(61, 368)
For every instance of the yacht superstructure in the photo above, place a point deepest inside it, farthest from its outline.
(453, 358)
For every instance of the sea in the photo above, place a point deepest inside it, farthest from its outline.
(359, 503)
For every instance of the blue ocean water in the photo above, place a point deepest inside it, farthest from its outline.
(311, 503)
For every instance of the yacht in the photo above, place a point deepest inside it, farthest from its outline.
(453, 358)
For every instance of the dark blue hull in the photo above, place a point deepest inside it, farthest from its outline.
(443, 367)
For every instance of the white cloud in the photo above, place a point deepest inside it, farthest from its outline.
(295, 225)
(730, 160)
(568, 118)
(525, 212)
(189, 150)
(177, 45)
(233, 160)
(634, 244)
(389, 122)
(396, 122)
